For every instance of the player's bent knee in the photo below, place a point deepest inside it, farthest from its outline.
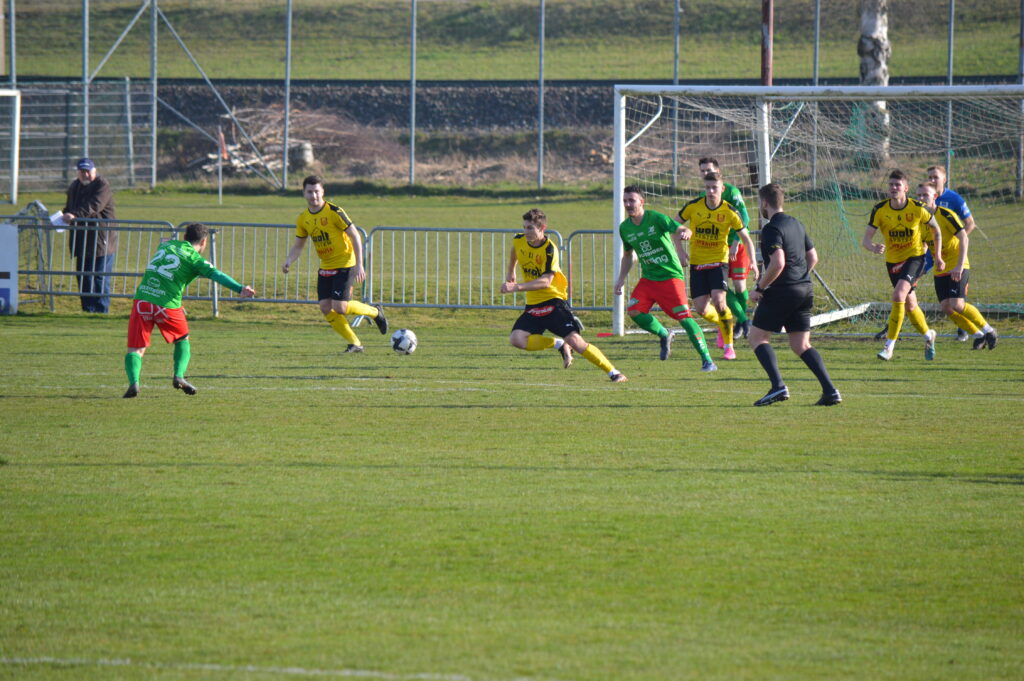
(576, 342)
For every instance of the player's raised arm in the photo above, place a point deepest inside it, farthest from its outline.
(293, 253)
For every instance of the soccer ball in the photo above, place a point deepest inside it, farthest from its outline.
(404, 341)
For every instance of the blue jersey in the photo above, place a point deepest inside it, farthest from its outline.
(953, 201)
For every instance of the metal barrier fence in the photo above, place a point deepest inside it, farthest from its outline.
(440, 267)
(47, 269)
(252, 253)
(406, 266)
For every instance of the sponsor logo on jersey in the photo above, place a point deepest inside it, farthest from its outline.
(708, 231)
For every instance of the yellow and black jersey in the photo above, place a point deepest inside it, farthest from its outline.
(950, 225)
(903, 230)
(326, 228)
(535, 262)
(711, 227)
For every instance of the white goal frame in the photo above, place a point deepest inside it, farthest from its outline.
(15, 156)
(764, 95)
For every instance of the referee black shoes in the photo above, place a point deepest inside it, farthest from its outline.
(774, 395)
(829, 399)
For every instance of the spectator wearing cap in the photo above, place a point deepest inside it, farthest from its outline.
(89, 199)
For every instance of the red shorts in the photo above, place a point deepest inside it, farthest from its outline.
(670, 295)
(740, 265)
(171, 322)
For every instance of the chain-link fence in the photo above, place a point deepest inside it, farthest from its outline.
(459, 92)
(53, 125)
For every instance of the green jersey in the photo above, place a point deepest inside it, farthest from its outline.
(651, 240)
(172, 269)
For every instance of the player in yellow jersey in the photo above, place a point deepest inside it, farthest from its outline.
(711, 220)
(902, 222)
(951, 281)
(547, 308)
(340, 250)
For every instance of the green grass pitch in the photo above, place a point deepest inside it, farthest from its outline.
(475, 512)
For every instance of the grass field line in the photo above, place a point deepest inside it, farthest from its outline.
(234, 669)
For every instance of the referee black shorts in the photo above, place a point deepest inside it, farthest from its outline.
(785, 306)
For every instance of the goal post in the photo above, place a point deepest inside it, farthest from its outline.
(830, 148)
(10, 109)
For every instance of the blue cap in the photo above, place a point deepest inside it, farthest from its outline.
(85, 164)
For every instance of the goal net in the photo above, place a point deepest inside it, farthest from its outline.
(831, 148)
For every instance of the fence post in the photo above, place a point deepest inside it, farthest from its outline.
(214, 286)
(128, 130)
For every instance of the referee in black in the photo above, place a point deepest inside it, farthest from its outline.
(785, 296)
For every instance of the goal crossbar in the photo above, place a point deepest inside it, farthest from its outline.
(824, 92)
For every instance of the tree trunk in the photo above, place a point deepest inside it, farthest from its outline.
(874, 51)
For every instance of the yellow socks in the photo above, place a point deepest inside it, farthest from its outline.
(723, 320)
(341, 325)
(973, 315)
(594, 355)
(356, 307)
(535, 341)
(918, 320)
(896, 316)
(963, 322)
(727, 325)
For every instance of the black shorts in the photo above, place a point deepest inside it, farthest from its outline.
(910, 270)
(334, 284)
(785, 306)
(553, 315)
(706, 278)
(945, 287)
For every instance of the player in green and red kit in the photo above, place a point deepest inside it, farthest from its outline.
(657, 241)
(739, 260)
(158, 301)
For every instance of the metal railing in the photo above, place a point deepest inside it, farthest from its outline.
(440, 267)
(406, 266)
(47, 269)
(252, 253)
